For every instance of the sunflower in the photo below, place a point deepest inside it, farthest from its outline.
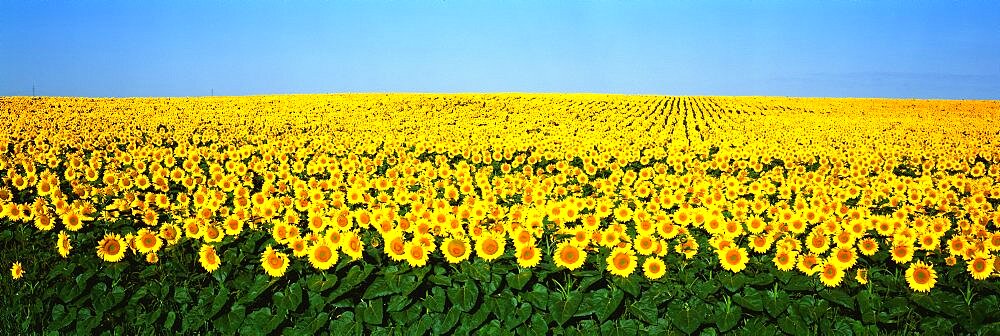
(171, 233)
(299, 247)
(844, 257)
(44, 222)
(569, 256)
(808, 264)
(72, 220)
(622, 261)
(152, 258)
(395, 245)
(653, 268)
(490, 247)
(921, 276)
(275, 263)
(192, 228)
(62, 244)
(831, 275)
(733, 258)
(147, 241)
(111, 248)
(16, 271)
(528, 256)
(981, 266)
(645, 245)
(868, 246)
(785, 259)
(416, 254)
(208, 258)
(456, 250)
(213, 234)
(862, 276)
(233, 225)
(322, 256)
(902, 253)
(352, 245)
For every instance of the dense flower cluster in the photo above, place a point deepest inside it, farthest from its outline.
(814, 185)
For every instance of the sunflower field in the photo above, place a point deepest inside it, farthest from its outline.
(499, 214)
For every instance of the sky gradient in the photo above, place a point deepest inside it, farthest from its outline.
(919, 49)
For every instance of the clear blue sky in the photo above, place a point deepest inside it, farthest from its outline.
(925, 49)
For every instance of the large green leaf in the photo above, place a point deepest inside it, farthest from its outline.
(838, 296)
(564, 307)
(687, 316)
(726, 316)
(464, 297)
(435, 300)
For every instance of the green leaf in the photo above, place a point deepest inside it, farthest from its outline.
(762, 279)
(838, 296)
(687, 316)
(563, 308)
(371, 312)
(609, 304)
(516, 281)
(793, 323)
(732, 282)
(705, 289)
(867, 303)
(321, 282)
(775, 302)
(449, 321)
(219, 301)
(520, 316)
(435, 300)
(800, 283)
(628, 284)
(726, 317)
(181, 295)
(378, 288)
(751, 299)
(645, 309)
(464, 297)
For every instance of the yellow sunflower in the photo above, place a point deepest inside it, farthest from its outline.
(902, 253)
(63, 244)
(111, 248)
(490, 247)
(981, 266)
(322, 256)
(569, 256)
(528, 256)
(395, 245)
(921, 276)
(831, 275)
(147, 241)
(622, 261)
(275, 263)
(416, 254)
(456, 250)
(785, 259)
(171, 233)
(653, 268)
(16, 271)
(733, 259)
(352, 245)
(862, 276)
(208, 258)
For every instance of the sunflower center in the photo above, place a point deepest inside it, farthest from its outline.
(621, 261)
(456, 249)
(733, 257)
(111, 247)
(979, 265)
(322, 253)
(274, 261)
(417, 252)
(921, 276)
(397, 246)
(490, 247)
(570, 255)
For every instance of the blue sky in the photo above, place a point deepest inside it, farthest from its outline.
(923, 49)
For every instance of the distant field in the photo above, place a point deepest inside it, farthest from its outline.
(499, 213)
